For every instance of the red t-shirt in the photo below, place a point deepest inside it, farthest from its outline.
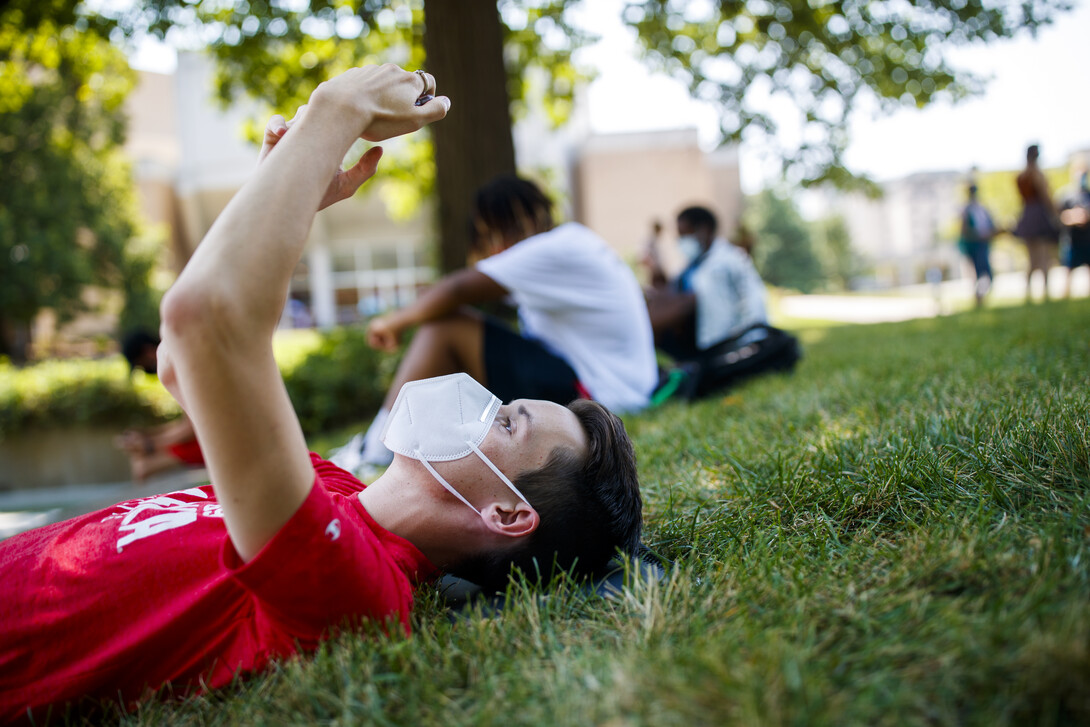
(152, 590)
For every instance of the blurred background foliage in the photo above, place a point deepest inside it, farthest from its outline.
(340, 381)
(333, 378)
(68, 218)
(824, 56)
(79, 392)
(796, 254)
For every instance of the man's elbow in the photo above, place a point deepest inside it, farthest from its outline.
(191, 315)
(179, 311)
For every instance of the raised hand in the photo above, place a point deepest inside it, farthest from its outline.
(345, 182)
(385, 99)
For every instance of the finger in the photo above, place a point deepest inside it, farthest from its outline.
(351, 179)
(429, 83)
(365, 168)
(434, 109)
(276, 126)
(299, 114)
(380, 336)
(274, 130)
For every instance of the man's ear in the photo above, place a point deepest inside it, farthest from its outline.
(514, 521)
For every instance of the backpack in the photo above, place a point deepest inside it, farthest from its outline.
(758, 349)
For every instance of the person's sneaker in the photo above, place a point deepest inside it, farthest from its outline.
(348, 456)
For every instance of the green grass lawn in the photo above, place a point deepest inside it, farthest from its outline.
(896, 533)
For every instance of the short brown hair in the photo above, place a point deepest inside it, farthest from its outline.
(589, 508)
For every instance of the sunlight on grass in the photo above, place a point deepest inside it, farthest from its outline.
(898, 532)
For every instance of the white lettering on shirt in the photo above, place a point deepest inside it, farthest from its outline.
(169, 512)
(333, 530)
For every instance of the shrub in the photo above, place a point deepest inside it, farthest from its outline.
(340, 380)
(79, 392)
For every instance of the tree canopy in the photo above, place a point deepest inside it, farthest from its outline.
(67, 216)
(819, 57)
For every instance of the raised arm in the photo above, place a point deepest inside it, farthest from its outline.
(219, 317)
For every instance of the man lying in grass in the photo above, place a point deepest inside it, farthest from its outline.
(283, 548)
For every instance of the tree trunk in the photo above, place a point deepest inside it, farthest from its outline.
(463, 42)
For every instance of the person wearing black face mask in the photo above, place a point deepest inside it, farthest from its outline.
(717, 295)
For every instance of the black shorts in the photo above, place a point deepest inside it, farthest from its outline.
(679, 342)
(520, 368)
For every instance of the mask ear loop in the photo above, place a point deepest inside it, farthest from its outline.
(444, 483)
(499, 474)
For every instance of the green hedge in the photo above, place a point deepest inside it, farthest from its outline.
(339, 380)
(79, 392)
(343, 380)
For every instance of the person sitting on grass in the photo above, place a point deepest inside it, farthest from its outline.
(283, 549)
(585, 331)
(718, 295)
(161, 448)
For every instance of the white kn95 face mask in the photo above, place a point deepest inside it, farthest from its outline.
(443, 419)
(689, 247)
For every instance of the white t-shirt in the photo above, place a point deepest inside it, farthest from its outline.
(730, 295)
(576, 296)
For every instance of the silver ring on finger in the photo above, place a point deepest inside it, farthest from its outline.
(429, 88)
(427, 83)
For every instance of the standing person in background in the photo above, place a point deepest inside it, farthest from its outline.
(1038, 224)
(718, 295)
(584, 326)
(1075, 217)
(651, 260)
(977, 231)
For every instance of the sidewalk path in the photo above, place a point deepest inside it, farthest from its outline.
(923, 301)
